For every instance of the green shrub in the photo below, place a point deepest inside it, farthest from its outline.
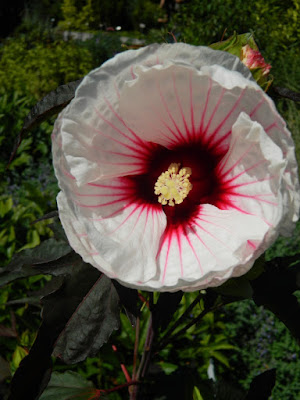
(73, 19)
(13, 109)
(145, 12)
(36, 68)
(17, 228)
(32, 161)
(102, 46)
(274, 23)
(263, 342)
(196, 347)
(286, 71)
(28, 70)
(90, 15)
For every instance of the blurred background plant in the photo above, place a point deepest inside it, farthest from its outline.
(36, 56)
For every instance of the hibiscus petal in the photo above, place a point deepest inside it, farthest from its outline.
(184, 104)
(107, 197)
(209, 248)
(209, 103)
(171, 111)
(251, 173)
(262, 109)
(123, 246)
(95, 139)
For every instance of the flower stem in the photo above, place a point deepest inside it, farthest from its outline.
(136, 346)
(146, 357)
(147, 348)
(287, 93)
(148, 352)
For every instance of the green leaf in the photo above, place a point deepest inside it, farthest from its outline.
(17, 357)
(223, 346)
(33, 239)
(6, 204)
(68, 385)
(22, 159)
(220, 357)
(168, 368)
(206, 388)
(235, 43)
(197, 394)
(25, 145)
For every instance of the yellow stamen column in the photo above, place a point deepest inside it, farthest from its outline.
(173, 185)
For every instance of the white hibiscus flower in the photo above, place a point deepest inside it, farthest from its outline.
(176, 171)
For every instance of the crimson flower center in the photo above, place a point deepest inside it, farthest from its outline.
(202, 186)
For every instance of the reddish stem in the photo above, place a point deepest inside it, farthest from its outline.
(116, 388)
(143, 299)
(125, 372)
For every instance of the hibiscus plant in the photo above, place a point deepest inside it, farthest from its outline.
(176, 173)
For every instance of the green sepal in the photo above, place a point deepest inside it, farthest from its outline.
(234, 45)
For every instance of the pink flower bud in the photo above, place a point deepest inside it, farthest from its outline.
(253, 59)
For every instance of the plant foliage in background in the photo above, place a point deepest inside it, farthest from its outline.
(89, 15)
(77, 289)
(64, 315)
(250, 344)
(58, 62)
(274, 23)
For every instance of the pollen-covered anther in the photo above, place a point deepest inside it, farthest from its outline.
(173, 185)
